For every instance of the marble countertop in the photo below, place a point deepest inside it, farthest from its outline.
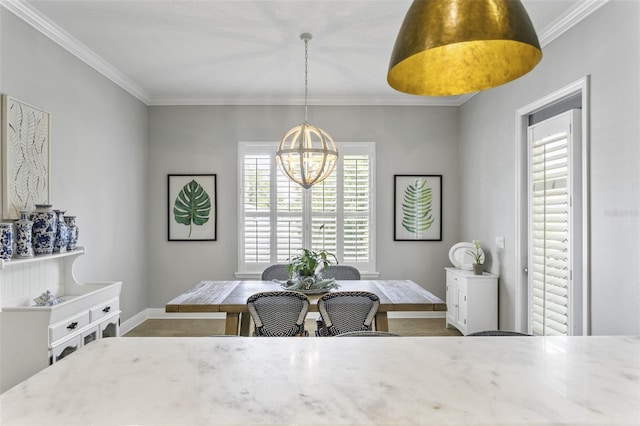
(348, 380)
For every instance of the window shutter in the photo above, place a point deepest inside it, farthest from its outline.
(257, 205)
(549, 234)
(289, 231)
(356, 208)
(324, 214)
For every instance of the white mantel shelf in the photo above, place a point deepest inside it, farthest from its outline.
(17, 261)
(348, 380)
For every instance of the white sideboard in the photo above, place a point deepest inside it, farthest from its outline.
(472, 301)
(33, 337)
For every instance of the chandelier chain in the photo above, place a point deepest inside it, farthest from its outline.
(306, 64)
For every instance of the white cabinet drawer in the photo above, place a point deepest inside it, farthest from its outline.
(105, 310)
(66, 348)
(68, 326)
(91, 335)
(455, 280)
(110, 327)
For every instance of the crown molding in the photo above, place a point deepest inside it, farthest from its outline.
(398, 100)
(34, 18)
(569, 19)
(31, 16)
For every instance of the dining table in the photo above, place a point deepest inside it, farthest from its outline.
(453, 380)
(230, 297)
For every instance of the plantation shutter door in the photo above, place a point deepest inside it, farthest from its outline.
(549, 226)
(257, 202)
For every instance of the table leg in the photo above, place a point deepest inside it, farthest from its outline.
(382, 322)
(231, 323)
(245, 323)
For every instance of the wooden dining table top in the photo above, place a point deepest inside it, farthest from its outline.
(231, 296)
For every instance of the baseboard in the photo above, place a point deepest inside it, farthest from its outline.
(133, 322)
(160, 313)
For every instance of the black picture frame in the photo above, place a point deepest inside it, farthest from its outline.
(417, 208)
(183, 224)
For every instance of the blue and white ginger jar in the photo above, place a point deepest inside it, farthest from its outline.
(62, 233)
(44, 229)
(74, 232)
(23, 238)
(6, 240)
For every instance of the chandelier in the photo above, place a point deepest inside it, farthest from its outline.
(307, 154)
(453, 47)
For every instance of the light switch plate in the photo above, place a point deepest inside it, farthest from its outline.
(500, 242)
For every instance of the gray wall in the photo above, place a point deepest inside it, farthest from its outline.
(409, 140)
(110, 163)
(605, 46)
(98, 154)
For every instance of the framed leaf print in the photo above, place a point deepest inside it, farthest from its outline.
(25, 157)
(192, 207)
(417, 213)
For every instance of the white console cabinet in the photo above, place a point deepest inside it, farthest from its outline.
(472, 301)
(33, 337)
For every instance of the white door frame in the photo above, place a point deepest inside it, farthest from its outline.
(579, 87)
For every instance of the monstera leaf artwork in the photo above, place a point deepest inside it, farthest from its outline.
(416, 207)
(192, 207)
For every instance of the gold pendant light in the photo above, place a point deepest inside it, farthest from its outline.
(307, 154)
(453, 47)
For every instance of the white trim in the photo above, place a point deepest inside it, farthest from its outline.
(391, 100)
(569, 19)
(56, 34)
(581, 87)
(37, 20)
(133, 322)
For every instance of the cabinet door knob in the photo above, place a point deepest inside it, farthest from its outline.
(106, 309)
(72, 326)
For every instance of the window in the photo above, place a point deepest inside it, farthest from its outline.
(278, 217)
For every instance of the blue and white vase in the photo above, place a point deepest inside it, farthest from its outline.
(74, 232)
(6, 240)
(24, 228)
(44, 229)
(62, 233)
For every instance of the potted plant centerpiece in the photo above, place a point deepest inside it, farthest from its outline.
(305, 272)
(478, 257)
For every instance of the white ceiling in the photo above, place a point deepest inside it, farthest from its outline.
(249, 52)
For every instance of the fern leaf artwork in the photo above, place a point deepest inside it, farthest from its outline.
(416, 207)
(192, 206)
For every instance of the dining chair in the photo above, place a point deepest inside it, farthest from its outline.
(278, 313)
(275, 272)
(345, 311)
(341, 272)
(338, 272)
(368, 334)
(497, 333)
